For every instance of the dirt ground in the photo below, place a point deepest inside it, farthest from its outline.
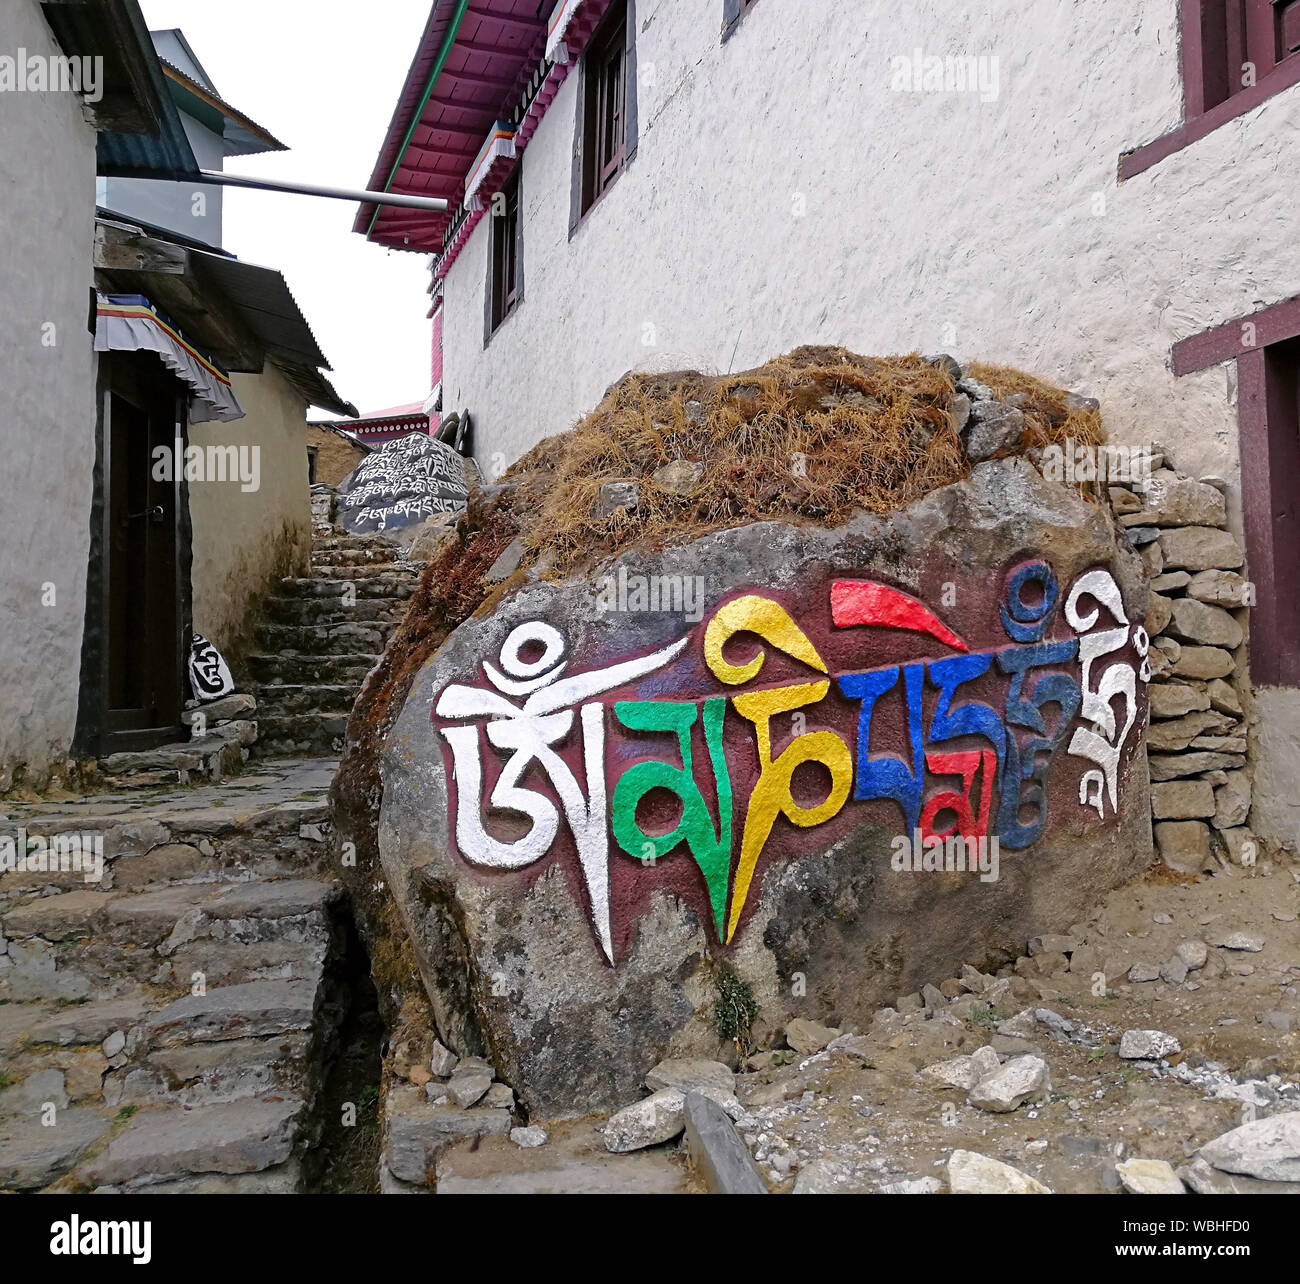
(862, 1117)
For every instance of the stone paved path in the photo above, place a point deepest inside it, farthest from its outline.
(164, 1025)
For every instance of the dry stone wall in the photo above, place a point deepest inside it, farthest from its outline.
(1197, 741)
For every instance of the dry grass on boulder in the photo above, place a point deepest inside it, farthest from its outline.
(811, 436)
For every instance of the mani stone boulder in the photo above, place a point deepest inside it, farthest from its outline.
(627, 816)
(397, 488)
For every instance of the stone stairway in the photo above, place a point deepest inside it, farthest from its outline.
(171, 994)
(320, 637)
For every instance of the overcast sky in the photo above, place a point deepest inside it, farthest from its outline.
(322, 76)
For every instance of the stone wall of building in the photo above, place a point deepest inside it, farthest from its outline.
(336, 457)
(1201, 706)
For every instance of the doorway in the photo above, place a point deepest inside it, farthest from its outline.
(141, 603)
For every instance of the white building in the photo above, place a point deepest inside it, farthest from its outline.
(123, 331)
(1102, 194)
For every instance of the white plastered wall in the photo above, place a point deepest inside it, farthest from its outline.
(47, 408)
(784, 192)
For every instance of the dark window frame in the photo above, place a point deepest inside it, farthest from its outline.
(505, 276)
(1266, 348)
(1216, 37)
(592, 182)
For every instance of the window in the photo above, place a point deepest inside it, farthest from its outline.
(506, 283)
(312, 452)
(605, 106)
(1235, 55)
(1241, 42)
(1266, 348)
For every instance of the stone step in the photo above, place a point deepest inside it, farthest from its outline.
(303, 733)
(211, 757)
(344, 667)
(384, 555)
(171, 1142)
(332, 610)
(191, 1092)
(372, 570)
(397, 585)
(327, 639)
(295, 698)
(343, 542)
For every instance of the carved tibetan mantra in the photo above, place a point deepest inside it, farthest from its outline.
(781, 720)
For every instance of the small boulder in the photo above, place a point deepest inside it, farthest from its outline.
(1267, 1149)
(466, 1087)
(1149, 1177)
(650, 1122)
(681, 477)
(970, 1173)
(1022, 1079)
(807, 1037)
(443, 1061)
(1147, 1045)
(529, 1138)
(618, 497)
(1021, 1026)
(687, 1074)
(994, 428)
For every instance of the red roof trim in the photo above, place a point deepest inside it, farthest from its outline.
(495, 53)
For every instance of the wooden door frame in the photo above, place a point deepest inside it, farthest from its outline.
(94, 738)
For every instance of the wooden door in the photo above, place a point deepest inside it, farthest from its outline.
(143, 646)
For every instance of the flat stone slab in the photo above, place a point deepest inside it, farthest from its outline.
(59, 918)
(16, 1021)
(148, 917)
(415, 1130)
(573, 1161)
(88, 1022)
(284, 899)
(242, 1068)
(207, 808)
(33, 1156)
(237, 1137)
(237, 1011)
(720, 1156)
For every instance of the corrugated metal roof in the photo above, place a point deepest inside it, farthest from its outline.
(267, 306)
(265, 300)
(140, 131)
(243, 136)
(315, 388)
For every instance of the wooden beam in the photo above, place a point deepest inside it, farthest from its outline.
(201, 314)
(478, 78)
(122, 248)
(530, 26)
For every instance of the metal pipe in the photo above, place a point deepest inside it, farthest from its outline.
(434, 203)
